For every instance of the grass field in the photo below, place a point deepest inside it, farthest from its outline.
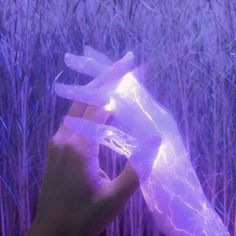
(192, 47)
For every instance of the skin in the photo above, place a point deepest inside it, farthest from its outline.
(77, 197)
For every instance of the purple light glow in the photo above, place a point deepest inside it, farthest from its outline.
(190, 47)
(170, 186)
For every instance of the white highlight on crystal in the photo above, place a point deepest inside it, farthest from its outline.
(111, 106)
(126, 85)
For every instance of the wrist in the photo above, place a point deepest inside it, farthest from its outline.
(49, 226)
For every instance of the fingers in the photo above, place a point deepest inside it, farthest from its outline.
(97, 56)
(91, 96)
(95, 114)
(85, 65)
(110, 200)
(106, 135)
(119, 190)
(104, 74)
(94, 68)
(91, 67)
(77, 109)
(117, 71)
(85, 96)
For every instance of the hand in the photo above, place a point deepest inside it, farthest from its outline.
(77, 197)
(172, 186)
(123, 96)
(120, 95)
(141, 154)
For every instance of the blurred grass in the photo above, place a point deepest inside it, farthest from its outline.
(192, 47)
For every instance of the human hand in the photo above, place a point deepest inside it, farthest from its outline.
(113, 96)
(172, 185)
(77, 197)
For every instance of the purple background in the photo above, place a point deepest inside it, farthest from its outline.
(192, 47)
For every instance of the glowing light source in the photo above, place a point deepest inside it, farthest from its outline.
(111, 105)
(128, 82)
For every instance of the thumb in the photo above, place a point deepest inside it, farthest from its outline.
(109, 136)
(116, 194)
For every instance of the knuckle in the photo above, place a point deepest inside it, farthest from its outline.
(60, 145)
(56, 145)
(52, 144)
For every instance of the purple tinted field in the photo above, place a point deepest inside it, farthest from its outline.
(191, 46)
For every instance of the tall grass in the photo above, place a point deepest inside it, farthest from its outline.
(192, 47)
